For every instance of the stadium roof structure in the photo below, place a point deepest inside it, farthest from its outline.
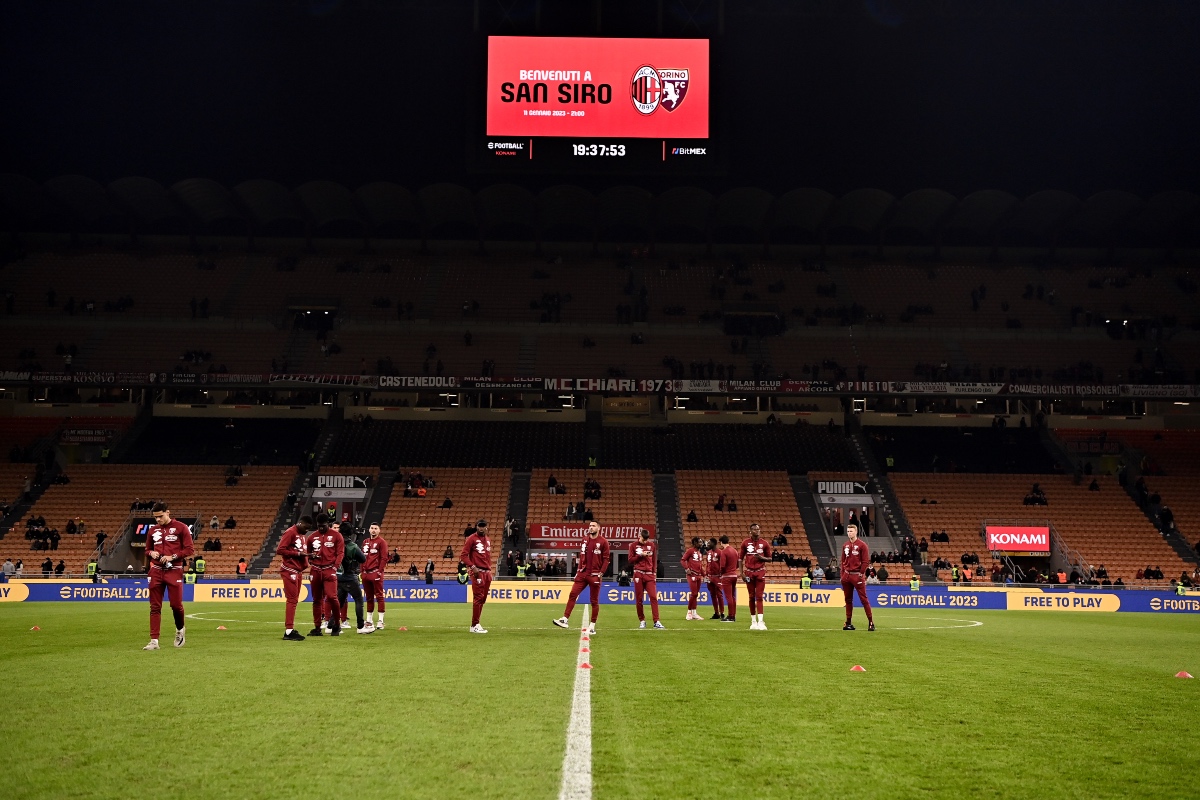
(682, 214)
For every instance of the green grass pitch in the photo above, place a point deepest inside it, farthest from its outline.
(1026, 704)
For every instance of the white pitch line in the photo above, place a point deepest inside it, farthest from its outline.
(577, 761)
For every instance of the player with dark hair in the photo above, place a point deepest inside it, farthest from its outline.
(376, 551)
(728, 578)
(348, 585)
(856, 559)
(294, 551)
(694, 569)
(168, 547)
(594, 558)
(643, 561)
(712, 568)
(476, 554)
(755, 554)
(325, 551)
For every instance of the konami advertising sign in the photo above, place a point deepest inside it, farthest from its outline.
(594, 88)
(1024, 540)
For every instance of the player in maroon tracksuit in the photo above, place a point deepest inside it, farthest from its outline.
(694, 569)
(594, 558)
(755, 555)
(643, 560)
(376, 551)
(856, 559)
(712, 568)
(168, 547)
(728, 564)
(293, 548)
(325, 548)
(477, 555)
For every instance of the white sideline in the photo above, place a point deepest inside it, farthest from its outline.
(577, 761)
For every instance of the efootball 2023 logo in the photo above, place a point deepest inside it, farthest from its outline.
(652, 89)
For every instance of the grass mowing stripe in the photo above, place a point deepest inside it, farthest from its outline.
(577, 760)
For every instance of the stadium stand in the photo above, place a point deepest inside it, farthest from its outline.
(788, 448)
(228, 441)
(763, 497)
(511, 445)
(100, 495)
(626, 496)
(1106, 527)
(418, 530)
(960, 449)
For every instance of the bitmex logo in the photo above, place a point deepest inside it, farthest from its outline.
(689, 151)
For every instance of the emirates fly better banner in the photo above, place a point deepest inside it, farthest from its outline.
(597, 88)
(568, 535)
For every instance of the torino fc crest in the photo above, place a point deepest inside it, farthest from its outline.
(653, 88)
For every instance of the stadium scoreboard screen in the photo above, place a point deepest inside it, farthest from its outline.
(597, 105)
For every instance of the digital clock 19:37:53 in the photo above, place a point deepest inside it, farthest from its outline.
(598, 149)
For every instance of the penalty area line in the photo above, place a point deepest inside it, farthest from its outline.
(577, 760)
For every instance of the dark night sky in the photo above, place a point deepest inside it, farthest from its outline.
(1021, 95)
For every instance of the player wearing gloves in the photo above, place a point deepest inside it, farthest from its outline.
(693, 563)
(643, 559)
(476, 556)
(168, 547)
(376, 550)
(594, 557)
(294, 551)
(325, 550)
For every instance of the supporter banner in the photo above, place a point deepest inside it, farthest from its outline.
(569, 534)
(1032, 540)
(616, 385)
(627, 405)
(86, 436)
(318, 379)
(502, 384)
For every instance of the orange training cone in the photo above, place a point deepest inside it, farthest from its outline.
(36, 628)
(857, 668)
(222, 628)
(402, 628)
(585, 666)
(584, 650)
(1177, 674)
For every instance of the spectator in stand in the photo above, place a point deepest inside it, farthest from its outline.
(413, 572)
(818, 574)
(882, 574)
(429, 567)
(552, 485)
(447, 503)
(691, 517)
(214, 523)
(720, 504)
(732, 504)
(217, 545)
(47, 567)
(923, 545)
(230, 523)
(60, 568)
(100, 537)
(71, 528)
(1094, 486)
(787, 531)
(8, 568)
